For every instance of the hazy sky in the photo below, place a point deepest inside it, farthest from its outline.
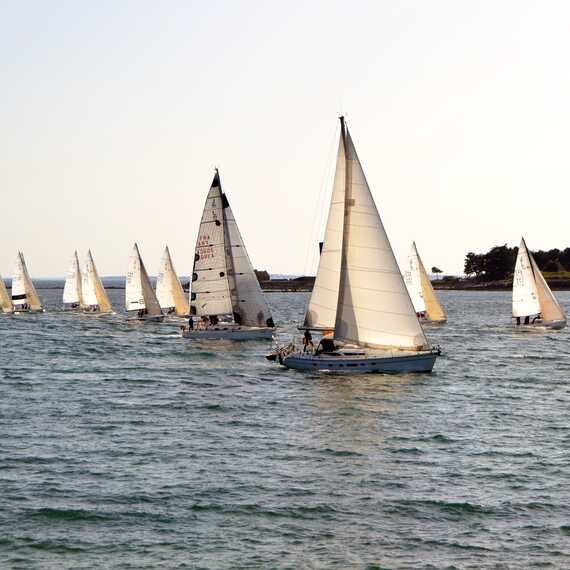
(114, 114)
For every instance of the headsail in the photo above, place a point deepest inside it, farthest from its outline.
(249, 305)
(421, 290)
(223, 280)
(525, 294)
(321, 311)
(168, 288)
(374, 308)
(550, 309)
(24, 293)
(72, 289)
(139, 294)
(94, 294)
(5, 302)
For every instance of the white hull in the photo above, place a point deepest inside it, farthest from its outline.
(360, 364)
(230, 332)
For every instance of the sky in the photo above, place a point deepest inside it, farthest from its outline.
(114, 115)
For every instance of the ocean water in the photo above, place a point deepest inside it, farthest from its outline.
(125, 446)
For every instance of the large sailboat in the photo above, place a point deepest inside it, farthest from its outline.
(140, 300)
(533, 301)
(5, 301)
(169, 291)
(359, 298)
(95, 299)
(427, 305)
(25, 298)
(226, 300)
(72, 295)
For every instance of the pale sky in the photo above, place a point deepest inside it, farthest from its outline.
(114, 114)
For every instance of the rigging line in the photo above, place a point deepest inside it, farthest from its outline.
(319, 207)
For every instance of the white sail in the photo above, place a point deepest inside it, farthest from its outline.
(525, 294)
(24, 294)
(249, 305)
(168, 288)
(421, 290)
(5, 301)
(139, 294)
(94, 294)
(210, 288)
(321, 311)
(374, 308)
(72, 288)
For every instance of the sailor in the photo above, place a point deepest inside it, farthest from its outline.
(536, 318)
(214, 320)
(527, 320)
(307, 341)
(518, 320)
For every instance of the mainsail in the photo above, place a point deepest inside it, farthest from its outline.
(421, 290)
(5, 302)
(168, 288)
(223, 279)
(139, 294)
(72, 289)
(531, 293)
(94, 294)
(373, 308)
(24, 294)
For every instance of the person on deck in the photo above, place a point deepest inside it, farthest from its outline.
(307, 341)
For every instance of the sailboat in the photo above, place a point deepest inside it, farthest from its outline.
(169, 291)
(5, 301)
(426, 303)
(533, 300)
(359, 296)
(25, 298)
(95, 299)
(140, 299)
(226, 298)
(72, 295)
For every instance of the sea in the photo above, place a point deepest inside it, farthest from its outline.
(125, 446)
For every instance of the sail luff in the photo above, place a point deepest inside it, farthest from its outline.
(374, 308)
(5, 302)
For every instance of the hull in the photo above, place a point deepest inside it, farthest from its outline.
(387, 364)
(229, 333)
(147, 318)
(550, 325)
(27, 311)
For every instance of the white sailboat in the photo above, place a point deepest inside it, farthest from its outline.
(425, 301)
(533, 300)
(169, 291)
(95, 299)
(140, 299)
(72, 295)
(359, 293)
(225, 296)
(25, 298)
(5, 301)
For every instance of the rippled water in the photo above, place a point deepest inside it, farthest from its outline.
(124, 446)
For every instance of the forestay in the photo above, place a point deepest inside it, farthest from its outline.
(139, 294)
(169, 291)
(72, 289)
(23, 290)
(374, 308)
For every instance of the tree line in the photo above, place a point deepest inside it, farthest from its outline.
(499, 262)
